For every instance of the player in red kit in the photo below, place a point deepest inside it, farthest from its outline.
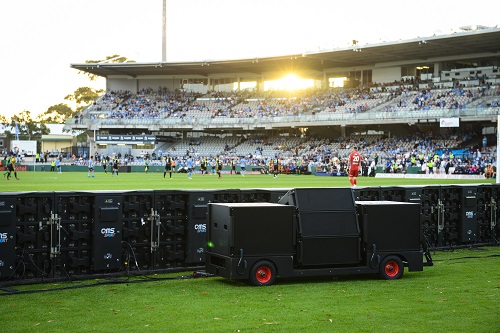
(354, 163)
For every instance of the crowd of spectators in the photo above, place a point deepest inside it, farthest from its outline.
(427, 99)
(429, 152)
(162, 103)
(406, 94)
(151, 104)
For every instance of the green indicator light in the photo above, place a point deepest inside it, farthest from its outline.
(210, 244)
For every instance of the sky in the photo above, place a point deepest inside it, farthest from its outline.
(40, 38)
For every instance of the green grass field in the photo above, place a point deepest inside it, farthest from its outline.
(460, 293)
(75, 181)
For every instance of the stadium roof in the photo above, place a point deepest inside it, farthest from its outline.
(475, 44)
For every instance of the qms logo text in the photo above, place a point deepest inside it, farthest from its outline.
(4, 237)
(108, 232)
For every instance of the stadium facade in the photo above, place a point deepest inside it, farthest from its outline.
(468, 61)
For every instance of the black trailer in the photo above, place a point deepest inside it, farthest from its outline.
(314, 232)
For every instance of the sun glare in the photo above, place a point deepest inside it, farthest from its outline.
(337, 81)
(289, 82)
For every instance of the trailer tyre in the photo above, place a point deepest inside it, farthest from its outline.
(392, 268)
(263, 273)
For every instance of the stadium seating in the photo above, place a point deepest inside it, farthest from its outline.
(379, 102)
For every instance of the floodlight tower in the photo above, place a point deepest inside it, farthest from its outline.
(164, 33)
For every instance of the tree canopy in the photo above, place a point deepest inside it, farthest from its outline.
(31, 129)
(56, 114)
(116, 58)
(26, 127)
(83, 97)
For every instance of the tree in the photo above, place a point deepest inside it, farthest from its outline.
(83, 96)
(116, 58)
(56, 114)
(26, 127)
(3, 120)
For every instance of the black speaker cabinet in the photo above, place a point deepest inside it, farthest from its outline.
(327, 251)
(413, 194)
(468, 214)
(320, 199)
(276, 195)
(390, 225)
(251, 229)
(329, 223)
(107, 232)
(197, 226)
(7, 236)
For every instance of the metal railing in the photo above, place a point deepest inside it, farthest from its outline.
(323, 118)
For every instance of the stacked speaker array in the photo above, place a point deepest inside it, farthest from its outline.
(451, 216)
(50, 235)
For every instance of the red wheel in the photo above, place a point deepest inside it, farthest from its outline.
(391, 268)
(263, 273)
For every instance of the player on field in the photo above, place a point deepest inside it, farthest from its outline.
(105, 165)
(116, 162)
(190, 166)
(11, 167)
(243, 168)
(91, 167)
(354, 163)
(168, 166)
(218, 165)
(203, 165)
(232, 167)
(276, 167)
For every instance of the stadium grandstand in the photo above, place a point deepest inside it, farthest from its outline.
(402, 103)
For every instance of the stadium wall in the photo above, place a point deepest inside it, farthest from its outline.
(39, 167)
(171, 84)
(121, 84)
(135, 85)
(410, 171)
(384, 75)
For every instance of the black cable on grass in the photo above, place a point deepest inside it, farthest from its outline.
(470, 257)
(9, 291)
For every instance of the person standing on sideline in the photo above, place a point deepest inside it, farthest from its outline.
(354, 163)
(91, 167)
(488, 171)
(52, 165)
(146, 166)
(168, 166)
(430, 167)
